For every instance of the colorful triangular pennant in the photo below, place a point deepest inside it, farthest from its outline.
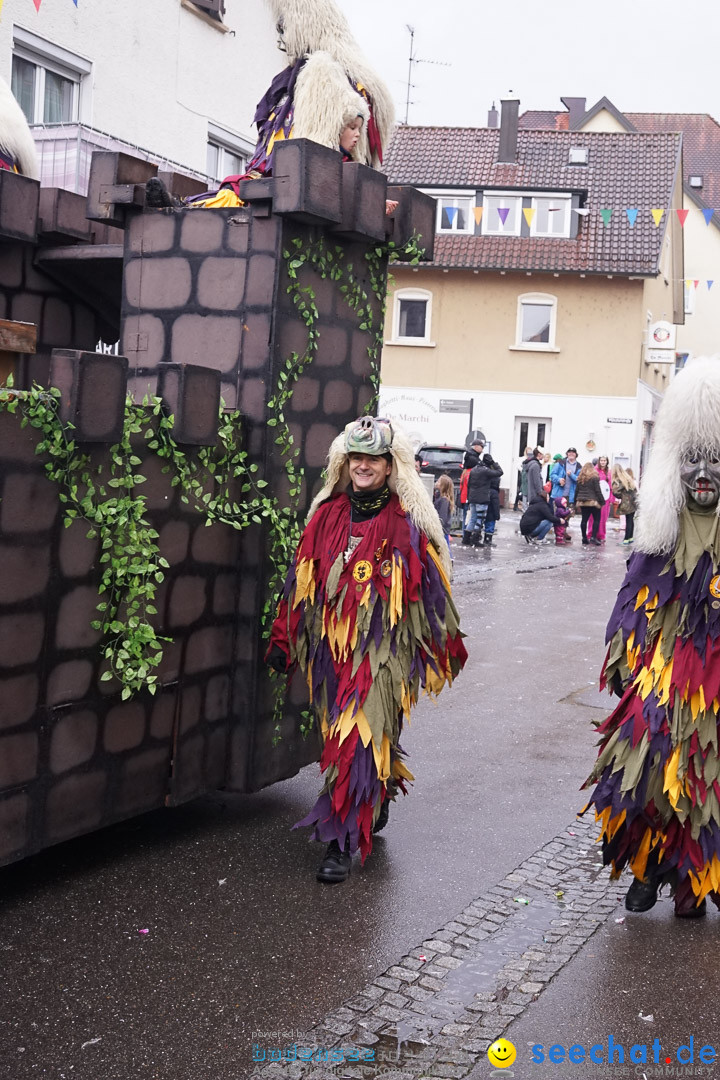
(529, 214)
(37, 4)
(707, 214)
(657, 215)
(682, 215)
(503, 212)
(632, 216)
(696, 282)
(710, 284)
(606, 215)
(581, 210)
(477, 211)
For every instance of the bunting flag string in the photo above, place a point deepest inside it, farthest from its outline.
(37, 4)
(606, 213)
(695, 283)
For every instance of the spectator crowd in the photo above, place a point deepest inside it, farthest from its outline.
(550, 493)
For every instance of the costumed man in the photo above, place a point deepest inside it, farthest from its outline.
(367, 615)
(17, 147)
(657, 776)
(326, 86)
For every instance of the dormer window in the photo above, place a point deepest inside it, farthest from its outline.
(527, 214)
(551, 216)
(454, 210)
(696, 180)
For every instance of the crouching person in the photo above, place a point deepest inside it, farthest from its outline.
(539, 518)
(367, 614)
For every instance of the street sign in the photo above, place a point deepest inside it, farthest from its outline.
(619, 420)
(477, 434)
(457, 405)
(660, 356)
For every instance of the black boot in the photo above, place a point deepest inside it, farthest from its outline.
(642, 895)
(466, 538)
(695, 911)
(335, 867)
(382, 816)
(475, 539)
(488, 538)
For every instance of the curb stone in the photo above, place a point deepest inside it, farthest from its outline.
(435, 1017)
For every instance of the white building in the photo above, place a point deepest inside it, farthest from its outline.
(174, 81)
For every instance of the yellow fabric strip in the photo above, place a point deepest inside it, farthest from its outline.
(671, 784)
(224, 197)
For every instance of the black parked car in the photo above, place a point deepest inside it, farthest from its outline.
(438, 459)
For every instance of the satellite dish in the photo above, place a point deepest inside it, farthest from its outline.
(474, 436)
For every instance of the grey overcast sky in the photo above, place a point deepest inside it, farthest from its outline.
(645, 55)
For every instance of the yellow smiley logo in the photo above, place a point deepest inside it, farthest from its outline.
(501, 1054)
(714, 586)
(362, 570)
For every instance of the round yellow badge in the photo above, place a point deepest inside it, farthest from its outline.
(362, 570)
(714, 586)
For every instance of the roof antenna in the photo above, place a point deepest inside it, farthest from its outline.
(413, 59)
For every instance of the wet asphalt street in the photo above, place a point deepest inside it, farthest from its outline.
(160, 948)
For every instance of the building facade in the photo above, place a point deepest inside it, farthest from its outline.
(175, 81)
(700, 333)
(533, 322)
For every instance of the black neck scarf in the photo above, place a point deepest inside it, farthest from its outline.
(366, 504)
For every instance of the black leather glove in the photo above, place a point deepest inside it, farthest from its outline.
(277, 658)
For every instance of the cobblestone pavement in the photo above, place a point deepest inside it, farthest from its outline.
(435, 1012)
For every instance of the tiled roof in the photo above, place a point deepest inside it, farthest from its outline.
(623, 171)
(701, 142)
(555, 121)
(701, 147)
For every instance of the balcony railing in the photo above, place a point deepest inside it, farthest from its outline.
(65, 152)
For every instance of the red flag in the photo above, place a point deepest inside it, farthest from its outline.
(682, 214)
(37, 4)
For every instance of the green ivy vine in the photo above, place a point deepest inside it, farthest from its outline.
(218, 482)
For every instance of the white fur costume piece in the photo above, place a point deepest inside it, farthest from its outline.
(15, 136)
(688, 419)
(324, 99)
(403, 480)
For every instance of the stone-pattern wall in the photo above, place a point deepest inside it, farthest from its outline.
(205, 293)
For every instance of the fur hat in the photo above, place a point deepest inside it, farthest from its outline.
(403, 480)
(15, 135)
(323, 95)
(688, 419)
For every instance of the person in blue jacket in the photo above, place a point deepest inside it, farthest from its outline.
(564, 475)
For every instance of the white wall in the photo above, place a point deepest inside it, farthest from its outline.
(159, 72)
(575, 419)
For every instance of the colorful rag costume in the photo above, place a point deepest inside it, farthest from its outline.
(368, 616)
(326, 84)
(657, 776)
